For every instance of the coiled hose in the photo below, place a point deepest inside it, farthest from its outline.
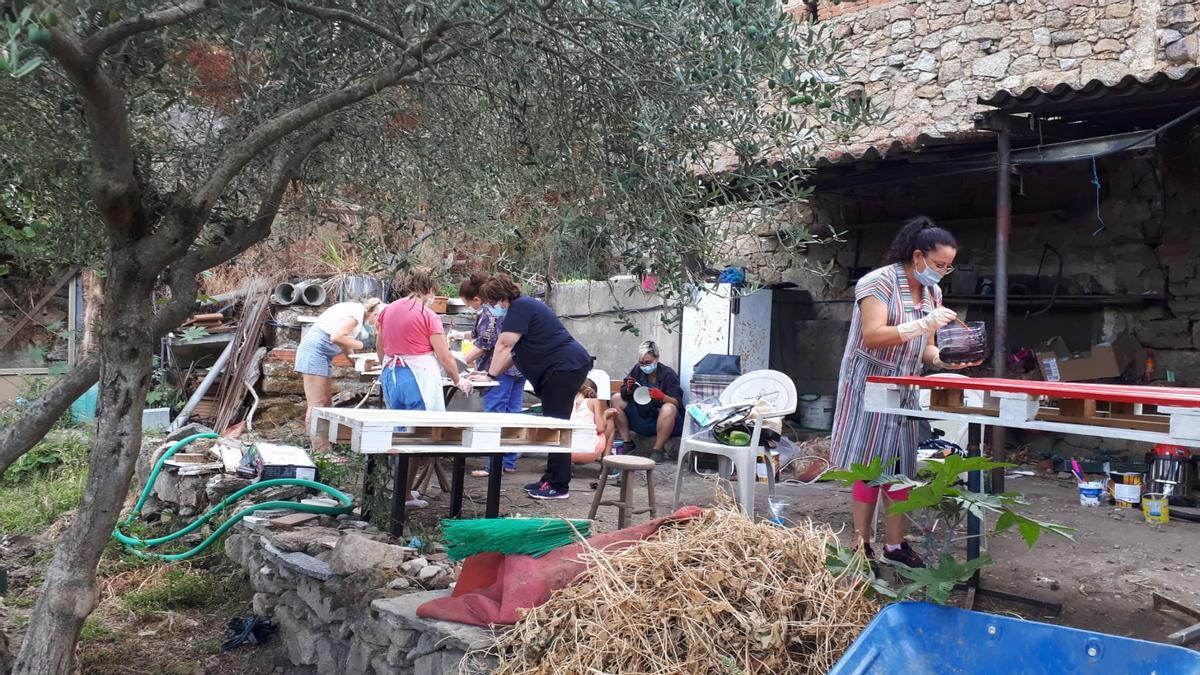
(137, 546)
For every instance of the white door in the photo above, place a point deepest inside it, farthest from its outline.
(752, 330)
(705, 328)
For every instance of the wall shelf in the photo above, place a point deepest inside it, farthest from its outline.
(1071, 301)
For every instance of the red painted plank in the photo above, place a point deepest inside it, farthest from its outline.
(1114, 393)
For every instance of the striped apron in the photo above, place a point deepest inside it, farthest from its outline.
(860, 436)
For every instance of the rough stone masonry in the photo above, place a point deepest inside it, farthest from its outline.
(928, 61)
(345, 600)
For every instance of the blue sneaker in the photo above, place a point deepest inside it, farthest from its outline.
(547, 492)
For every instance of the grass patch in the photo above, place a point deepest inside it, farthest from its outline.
(95, 631)
(185, 589)
(23, 601)
(45, 483)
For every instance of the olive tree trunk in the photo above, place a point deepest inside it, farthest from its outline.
(69, 592)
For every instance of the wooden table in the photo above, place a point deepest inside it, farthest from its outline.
(1145, 414)
(439, 434)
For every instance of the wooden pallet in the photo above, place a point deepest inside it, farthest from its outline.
(1172, 412)
(374, 431)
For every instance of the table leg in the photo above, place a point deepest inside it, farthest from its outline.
(974, 484)
(399, 495)
(975, 588)
(456, 485)
(368, 487)
(493, 493)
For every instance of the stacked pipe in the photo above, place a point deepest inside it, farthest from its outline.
(310, 293)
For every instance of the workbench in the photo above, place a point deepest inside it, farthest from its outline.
(420, 433)
(1135, 413)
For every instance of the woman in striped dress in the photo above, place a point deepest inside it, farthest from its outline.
(897, 310)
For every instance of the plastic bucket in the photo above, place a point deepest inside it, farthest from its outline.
(1155, 508)
(355, 288)
(1089, 493)
(816, 412)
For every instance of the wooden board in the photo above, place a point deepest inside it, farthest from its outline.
(1115, 393)
(1157, 423)
(292, 520)
(375, 431)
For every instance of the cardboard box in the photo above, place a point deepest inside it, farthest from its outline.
(1107, 359)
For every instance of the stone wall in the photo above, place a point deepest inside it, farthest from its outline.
(345, 600)
(928, 61)
(587, 308)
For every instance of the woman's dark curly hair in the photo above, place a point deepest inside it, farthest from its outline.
(918, 234)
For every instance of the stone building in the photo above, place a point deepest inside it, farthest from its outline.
(1104, 241)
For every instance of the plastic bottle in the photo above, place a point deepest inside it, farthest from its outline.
(1149, 376)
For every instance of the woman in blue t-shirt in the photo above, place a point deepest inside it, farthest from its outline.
(509, 393)
(555, 364)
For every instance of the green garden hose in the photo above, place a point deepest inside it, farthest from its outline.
(138, 546)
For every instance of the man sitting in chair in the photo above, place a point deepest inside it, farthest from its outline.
(655, 412)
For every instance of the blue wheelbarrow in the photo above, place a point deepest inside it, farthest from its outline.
(917, 637)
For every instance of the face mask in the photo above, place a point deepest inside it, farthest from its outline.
(649, 367)
(498, 311)
(927, 276)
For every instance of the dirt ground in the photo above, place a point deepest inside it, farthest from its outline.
(1103, 579)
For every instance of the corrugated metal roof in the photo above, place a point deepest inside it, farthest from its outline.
(1167, 87)
(901, 148)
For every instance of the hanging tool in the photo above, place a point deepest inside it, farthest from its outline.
(1047, 248)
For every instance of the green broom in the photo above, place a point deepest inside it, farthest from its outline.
(512, 536)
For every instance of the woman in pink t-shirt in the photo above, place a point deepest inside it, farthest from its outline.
(412, 348)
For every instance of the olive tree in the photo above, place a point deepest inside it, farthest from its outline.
(603, 124)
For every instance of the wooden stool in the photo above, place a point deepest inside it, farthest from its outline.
(627, 465)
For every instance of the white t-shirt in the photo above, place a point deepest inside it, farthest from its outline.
(332, 319)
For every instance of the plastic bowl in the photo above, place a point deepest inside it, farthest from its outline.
(963, 344)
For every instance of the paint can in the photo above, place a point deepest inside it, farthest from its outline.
(816, 412)
(1089, 493)
(1125, 488)
(761, 467)
(1155, 508)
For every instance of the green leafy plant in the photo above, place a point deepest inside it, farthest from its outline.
(194, 333)
(16, 59)
(939, 503)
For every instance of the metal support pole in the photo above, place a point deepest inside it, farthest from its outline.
(974, 479)
(1000, 320)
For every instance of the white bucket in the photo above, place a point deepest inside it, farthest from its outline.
(1089, 493)
(816, 412)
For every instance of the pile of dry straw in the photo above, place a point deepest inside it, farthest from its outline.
(714, 594)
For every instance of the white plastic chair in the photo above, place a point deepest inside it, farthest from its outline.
(767, 385)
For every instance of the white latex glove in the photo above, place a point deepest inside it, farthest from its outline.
(455, 335)
(927, 324)
(465, 386)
